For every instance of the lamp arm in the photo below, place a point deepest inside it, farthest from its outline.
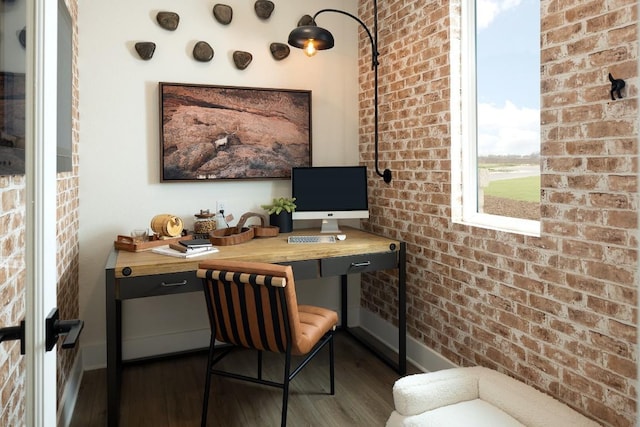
(374, 44)
(374, 66)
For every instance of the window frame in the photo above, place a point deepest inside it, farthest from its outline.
(463, 106)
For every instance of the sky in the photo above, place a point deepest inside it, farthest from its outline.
(508, 72)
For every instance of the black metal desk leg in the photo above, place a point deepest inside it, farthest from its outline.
(344, 303)
(113, 350)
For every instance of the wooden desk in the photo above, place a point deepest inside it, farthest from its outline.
(143, 274)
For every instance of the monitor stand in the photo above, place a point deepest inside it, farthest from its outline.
(330, 226)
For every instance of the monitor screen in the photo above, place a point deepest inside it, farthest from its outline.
(330, 193)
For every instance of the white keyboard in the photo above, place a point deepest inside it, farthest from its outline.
(311, 239)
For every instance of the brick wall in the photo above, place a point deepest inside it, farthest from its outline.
(13, 273)
(12, 300)
(67, 261)
(559, 311)
(67, 203)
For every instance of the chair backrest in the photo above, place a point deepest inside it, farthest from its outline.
(251, 304)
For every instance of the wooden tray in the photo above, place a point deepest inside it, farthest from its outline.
(240, 233)
(231, 236)
(126, 243)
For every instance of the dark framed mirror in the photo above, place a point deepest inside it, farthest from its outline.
(65, 89)
(13, 16)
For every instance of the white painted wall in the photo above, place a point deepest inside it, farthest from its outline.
(119, 140)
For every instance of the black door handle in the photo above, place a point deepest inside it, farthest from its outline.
(56, 327)
(14, 333)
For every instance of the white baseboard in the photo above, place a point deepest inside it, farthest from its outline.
(165, 344)
(94, 356)
(418, 354)
(139, 347)
(70, 393)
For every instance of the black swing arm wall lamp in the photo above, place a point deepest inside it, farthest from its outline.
(312, 38)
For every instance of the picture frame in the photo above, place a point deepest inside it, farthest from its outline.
(217, 133)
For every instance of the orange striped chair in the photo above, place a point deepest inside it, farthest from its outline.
(254, 305)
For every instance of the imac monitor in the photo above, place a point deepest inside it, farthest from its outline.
(330, 193)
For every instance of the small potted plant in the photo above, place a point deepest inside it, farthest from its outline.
(280, 211)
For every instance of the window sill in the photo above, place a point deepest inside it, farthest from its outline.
(525, 227)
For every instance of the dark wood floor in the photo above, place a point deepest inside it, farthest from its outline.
(168, 392)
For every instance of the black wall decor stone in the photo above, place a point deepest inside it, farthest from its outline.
(168, 20)
(264, 8)
(145, 49)
(279, 51)
(203, 52)
(306, 20)
(223, 13)
(242, 59)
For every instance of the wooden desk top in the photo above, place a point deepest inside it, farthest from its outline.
(263, 249)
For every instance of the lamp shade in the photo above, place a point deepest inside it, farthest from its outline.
(300, 37)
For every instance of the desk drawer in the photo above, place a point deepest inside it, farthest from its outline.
(160, 284)
(302, 270)
(358, 263)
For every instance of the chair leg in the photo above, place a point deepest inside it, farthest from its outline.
(285, 388)
(260, 364)
(332, 366)
(207, 385)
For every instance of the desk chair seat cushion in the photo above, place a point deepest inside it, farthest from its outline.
(314, 323)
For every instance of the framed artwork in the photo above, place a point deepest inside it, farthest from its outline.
(212, 133)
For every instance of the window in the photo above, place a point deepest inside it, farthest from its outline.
(495, 114)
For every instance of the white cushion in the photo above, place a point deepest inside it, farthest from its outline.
(472, 413)
(417, 395)
(530, 406)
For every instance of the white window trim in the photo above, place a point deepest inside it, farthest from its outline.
(464, 166)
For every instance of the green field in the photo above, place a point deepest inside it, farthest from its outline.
(526, 189)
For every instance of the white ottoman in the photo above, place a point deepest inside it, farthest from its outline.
(476, 397)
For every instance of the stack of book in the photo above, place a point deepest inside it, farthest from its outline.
(187, 248)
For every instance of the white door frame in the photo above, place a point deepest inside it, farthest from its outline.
(40, 202)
